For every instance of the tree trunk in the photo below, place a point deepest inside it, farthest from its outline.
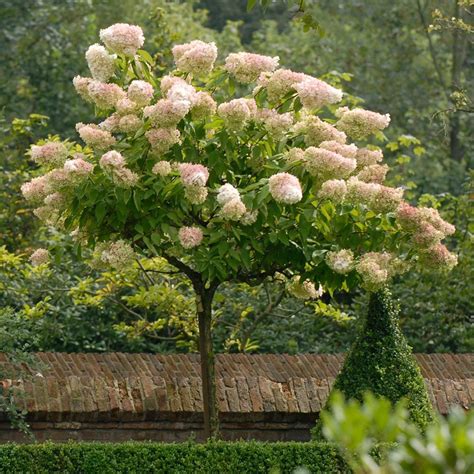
(458, 57)
(204, 299)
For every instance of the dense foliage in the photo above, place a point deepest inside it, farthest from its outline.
(218, 457)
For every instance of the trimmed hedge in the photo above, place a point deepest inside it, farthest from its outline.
(217, 457)
(381, 361)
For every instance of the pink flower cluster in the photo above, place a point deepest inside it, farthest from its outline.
(276, 124)
(101, 63)
(104, 95)
(182, 92)
(123, 38)
(438, 257)
(51, 153)
(36, 189)
(190, 237)
(341, 261)
(203, 105)
(55, 200)
(114, 163)
(129, 123)
(237, 112)
(162, 139)
(46, 187)
(196, 57)
(168, 81)
(316, 131)
(39, 257)
(195, 194)
(193, 175)
(294, 155)
(140, 92)
(126, 106)
(247, 67)
(376, 268)
(119, 254)
(315, 94)
(78, 168)
(285, 188)
(95, 137)
(305, 290)
(325, 164)
(111, 123)
(373, 173)
(112, 160)
(166, 113)
(427, 228)
(232, 207)
(334, 190)
(249, 218)
(367, 157)
(375, 196)
(280, 83)
(162, 168)
(194, 178)
(360, 123)
(81, 84)
(347, 151)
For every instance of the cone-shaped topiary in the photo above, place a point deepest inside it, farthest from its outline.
(381, 361)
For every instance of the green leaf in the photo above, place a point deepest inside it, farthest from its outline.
(251, 4)
(100, 211)
(146, 56)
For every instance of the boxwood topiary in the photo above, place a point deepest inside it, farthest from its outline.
(381, 361)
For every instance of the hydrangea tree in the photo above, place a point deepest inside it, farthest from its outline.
(239, 172)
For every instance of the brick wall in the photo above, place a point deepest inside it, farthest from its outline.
(119, 397)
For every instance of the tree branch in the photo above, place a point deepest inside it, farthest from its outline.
(434, 59)
(193, 275)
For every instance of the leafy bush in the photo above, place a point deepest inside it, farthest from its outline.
(213, 457)
(447, 446)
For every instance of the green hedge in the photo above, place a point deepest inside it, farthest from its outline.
(214, 457)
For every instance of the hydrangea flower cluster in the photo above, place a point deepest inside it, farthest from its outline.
(122, 38)
(101, 63)
(232, 207)
(277, 125)
(190, 237)
(118, 255)
(305, 290)
(375, 269)
(114, 163)
(341, 261)
(315, 94)
(51, 153)
(285, 188)
(39, 257)
(196, 57)
(162, 168)
(324, 164)
(315, 131)
(183, 161)
(359, 123)
(237, 112)
(95, 137)
(247, 67)
(280, 83)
